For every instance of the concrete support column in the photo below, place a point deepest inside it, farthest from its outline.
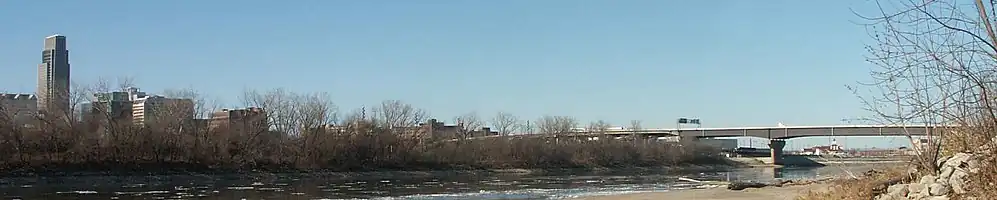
(776, 147)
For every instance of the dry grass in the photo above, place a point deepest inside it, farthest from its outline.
(926, 76)
(864, 188)
(977, 138)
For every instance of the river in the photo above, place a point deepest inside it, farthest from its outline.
(452, 186)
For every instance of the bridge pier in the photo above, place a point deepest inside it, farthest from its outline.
(776, 147)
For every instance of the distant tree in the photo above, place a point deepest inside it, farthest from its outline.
(556, 125)
(599, 127)
(529, 127)
(505, 123)
(467, 124)
(635, 128)
(394, 114)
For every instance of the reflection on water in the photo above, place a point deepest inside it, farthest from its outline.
(313, 186)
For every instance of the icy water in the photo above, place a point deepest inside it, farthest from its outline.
(454, 186)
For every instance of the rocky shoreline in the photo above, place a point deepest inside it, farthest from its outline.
(951, 180)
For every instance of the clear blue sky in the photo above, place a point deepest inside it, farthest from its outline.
(730, 63)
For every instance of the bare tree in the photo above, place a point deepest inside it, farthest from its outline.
(394, 114)
(357, 122)
(203, 106)
(468, 124)
(63, 118)
(317, 113)
(279, 106)
(599, 127)
(112, 119)
(317, 110)
(556, 125)
(12, 118)
(635, 129)
(282, 122)
(188, 113)
(505, 123)
(936, 67)
(529, 127)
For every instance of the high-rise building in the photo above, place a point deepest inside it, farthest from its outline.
(53, 75)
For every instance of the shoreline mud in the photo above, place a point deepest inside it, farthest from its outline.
(720, 193)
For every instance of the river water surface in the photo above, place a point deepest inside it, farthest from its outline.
(454, 186)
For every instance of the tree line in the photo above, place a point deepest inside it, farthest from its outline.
(297, 136)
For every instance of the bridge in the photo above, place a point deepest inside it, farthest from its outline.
(777, 135)
(778, 132)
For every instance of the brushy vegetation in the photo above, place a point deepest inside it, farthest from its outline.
(862, 188)
(937, 65)
(297, 136)
(345, 153)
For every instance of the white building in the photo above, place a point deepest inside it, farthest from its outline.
(135, 94)
(831, 150)
(148, 108)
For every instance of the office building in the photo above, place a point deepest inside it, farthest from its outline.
(134, 93)
(240, 121)
(150, 109)
(116, 106)
(53, 75)
(19, 108)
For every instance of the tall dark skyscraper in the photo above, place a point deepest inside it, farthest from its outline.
(53, 75)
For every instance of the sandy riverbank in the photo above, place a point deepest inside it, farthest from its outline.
(767, 193)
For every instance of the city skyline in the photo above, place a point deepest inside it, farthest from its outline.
(648, 63)
(55, 70)
(651, 63)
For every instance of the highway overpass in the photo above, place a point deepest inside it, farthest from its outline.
(780, 132)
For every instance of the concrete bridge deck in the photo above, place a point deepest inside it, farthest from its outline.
(784, 132)
(776, 135)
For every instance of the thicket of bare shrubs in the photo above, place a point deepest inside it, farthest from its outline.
(376, 138)
(937, 66)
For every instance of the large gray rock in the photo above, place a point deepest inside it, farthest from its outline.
(974, 165)
(958, 181)
(945, 173)
(895, 192)
(924, 192)
(927, 180)
(953, 174)
(958, 159)
(941, 161)
(898, 188)
(915, 187)
(939, 189)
